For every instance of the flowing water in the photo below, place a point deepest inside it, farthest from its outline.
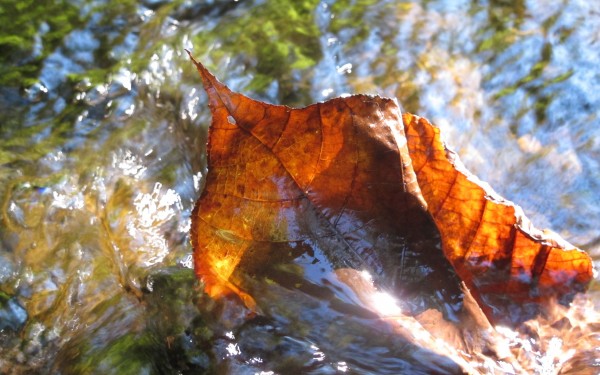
(102, 131)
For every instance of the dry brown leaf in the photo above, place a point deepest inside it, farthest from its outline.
(338, 176)
(492, 245)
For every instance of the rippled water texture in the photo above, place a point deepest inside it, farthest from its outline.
(102, 132)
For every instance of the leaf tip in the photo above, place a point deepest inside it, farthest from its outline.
(201, 69)
(213, 87)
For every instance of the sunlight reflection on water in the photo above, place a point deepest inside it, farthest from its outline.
(153, 210)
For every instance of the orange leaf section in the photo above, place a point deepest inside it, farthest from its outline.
(339, 177)
(491, 244)
(334, 176)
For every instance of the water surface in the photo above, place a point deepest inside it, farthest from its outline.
(102, 133)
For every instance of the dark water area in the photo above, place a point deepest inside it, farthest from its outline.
(103, 125)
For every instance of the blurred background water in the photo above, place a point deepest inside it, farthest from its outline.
(102, 132)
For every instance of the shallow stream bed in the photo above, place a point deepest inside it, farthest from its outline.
(103, 126)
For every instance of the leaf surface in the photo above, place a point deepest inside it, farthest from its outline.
(493, 247)
(338, 177)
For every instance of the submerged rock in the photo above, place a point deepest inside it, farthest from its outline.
(12, 315)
